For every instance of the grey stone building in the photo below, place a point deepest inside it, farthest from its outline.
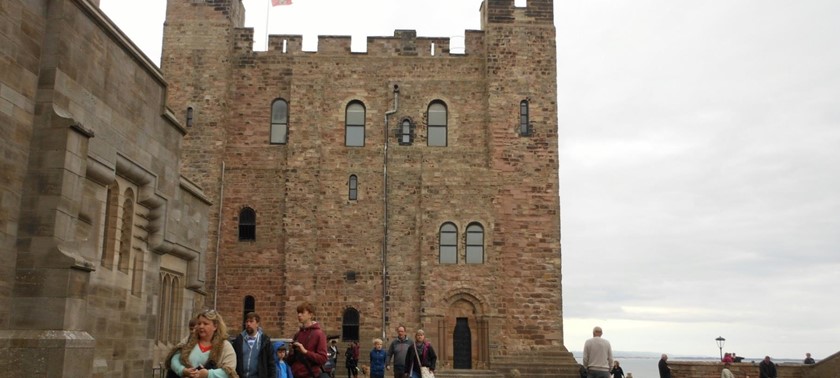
(101, 237)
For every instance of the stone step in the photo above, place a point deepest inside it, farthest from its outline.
(467, 373)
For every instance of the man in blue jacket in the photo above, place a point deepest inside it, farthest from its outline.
(254, 352)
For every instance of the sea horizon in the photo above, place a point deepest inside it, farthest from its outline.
(673, 356)
(646, 364)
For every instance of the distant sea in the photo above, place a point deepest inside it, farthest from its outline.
(646, 365)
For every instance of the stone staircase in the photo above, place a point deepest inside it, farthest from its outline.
(557, 365)
(542, 366)
(462, 373)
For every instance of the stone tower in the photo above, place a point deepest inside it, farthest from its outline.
(404, 185)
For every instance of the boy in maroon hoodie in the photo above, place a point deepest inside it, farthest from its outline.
(309, 346)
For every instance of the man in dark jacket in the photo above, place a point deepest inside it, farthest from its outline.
(767, 369)
(254, 353)
(664, 369)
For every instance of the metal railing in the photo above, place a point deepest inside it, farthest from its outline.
(159, 372)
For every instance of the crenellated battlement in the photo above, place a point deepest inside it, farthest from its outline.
(506, 12)
(403, 43)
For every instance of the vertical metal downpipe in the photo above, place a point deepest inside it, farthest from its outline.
(218, 239)
(385, 212)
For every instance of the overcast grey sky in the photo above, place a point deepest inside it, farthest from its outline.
(699, 159)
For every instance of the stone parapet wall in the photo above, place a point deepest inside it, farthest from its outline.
(828, 368)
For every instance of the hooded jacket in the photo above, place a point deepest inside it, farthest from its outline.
(283, 369)
(265, 360)
(315, 342)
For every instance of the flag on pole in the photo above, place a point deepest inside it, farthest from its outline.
(281, 2)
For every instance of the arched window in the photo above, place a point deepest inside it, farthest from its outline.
(354, 125)
(109, 236)
(249, 304)
(126, 232)
(137, 273)
(475, 244)
(163, 306)
(279, 121)
(350, 325)
(437, 124)
(247, 224)
(524, 122)
(405, 134)
(353, 188)
(190, 115)
(170, 326)
(175, 327)
(448, 244)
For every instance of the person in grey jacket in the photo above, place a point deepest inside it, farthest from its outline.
(397, 352)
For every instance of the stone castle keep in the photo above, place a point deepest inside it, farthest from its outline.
(406, 185)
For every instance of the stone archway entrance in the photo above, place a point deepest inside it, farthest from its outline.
(464, 334)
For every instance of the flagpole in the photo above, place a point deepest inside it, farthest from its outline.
(267, 14)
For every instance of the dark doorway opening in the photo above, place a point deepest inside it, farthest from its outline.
(462, 345)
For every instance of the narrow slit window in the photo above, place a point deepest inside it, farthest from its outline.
(353, 188)
(279, 122)
(406, 132)
(249, 304)
(524, 120)
(247, 225)
(190, 116)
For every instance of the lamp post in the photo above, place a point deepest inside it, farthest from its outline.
(720, 341)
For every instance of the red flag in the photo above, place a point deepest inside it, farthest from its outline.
(281, 2)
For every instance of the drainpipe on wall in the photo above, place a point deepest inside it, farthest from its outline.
(218, 238)
(385, 212)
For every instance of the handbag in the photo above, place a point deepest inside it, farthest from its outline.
(425, 372)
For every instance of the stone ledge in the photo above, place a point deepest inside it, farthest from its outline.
(45, 339)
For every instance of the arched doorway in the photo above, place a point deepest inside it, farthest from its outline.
(462, 344)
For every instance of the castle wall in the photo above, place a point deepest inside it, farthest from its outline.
(19, 65)
(94, 198)
(315, 244)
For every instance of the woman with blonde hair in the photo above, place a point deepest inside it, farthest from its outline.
(208, 354)
(420, 355)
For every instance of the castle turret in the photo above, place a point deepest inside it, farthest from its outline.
(521, 77)
(198, 46)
